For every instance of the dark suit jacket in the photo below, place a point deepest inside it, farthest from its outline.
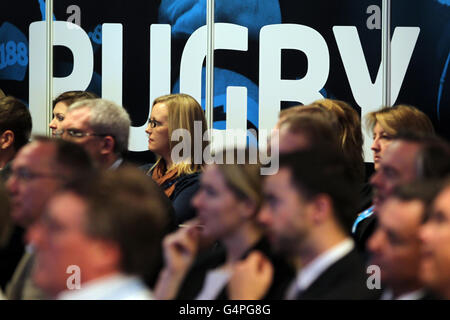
(363, 232)
(126, 163)
(365, 199)
(21, 286)
(194, 280)
(10, 254)
(345, 279)
(429, 295)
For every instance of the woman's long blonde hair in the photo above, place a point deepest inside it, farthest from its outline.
(183, 112)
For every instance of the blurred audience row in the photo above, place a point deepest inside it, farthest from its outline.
(79, 220)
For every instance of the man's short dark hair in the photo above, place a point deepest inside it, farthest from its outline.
(315, 127)
(433, 158)
(72, 158)
(14, 116)
(325, 170)
(422, 190)
(439, 185)
(128, 209)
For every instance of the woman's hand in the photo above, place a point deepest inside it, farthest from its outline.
(180, 249)
(251, 278)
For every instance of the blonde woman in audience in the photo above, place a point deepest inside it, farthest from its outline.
(385, 124)
(388, 121)
(179, 178)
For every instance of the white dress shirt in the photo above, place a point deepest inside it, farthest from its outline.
(115, 287)
(116, 164)
(413, 295)
(309, 273)
(215, 281)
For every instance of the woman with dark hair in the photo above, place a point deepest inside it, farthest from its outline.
(62, 103)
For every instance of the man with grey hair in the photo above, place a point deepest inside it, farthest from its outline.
(102, 127)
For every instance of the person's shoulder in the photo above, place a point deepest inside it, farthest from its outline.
(146, 167)
(345, 279)
(211, 258)
(428, 295)
(205, 261)
(190, 176)
(284, 272)
(364, 230)
(187, 180)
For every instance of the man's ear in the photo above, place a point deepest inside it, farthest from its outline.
(107, 254)
(248, 208)
(322, 208)
(6, 139)
(108, 144)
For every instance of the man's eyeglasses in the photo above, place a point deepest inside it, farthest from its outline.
(78, 134)
(25, 174)
(153, 123)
